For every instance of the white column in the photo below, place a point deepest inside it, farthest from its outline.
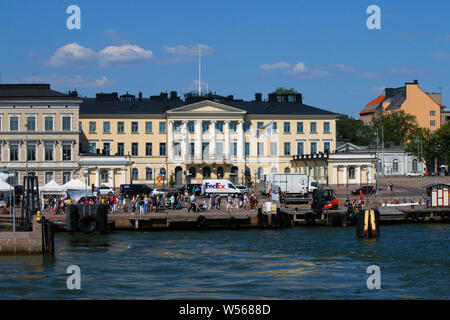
(212, 145)
(240, 142)
(111, 172)
(184, 141)
(370, 173)
(227, 139)
(124, 176)
(358, 174)
(97, 177)
(198, 139)
(345, 175)
(335, 174)
(170, 141)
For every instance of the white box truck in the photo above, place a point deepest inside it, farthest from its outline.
(293, 185)
(219, 186)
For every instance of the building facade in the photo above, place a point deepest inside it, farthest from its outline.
(39, 132)
(426, 107)
(186, 141)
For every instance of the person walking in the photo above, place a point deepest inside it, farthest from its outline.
(229, 203)
(193, 202)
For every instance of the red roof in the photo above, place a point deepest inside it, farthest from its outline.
(374, 103)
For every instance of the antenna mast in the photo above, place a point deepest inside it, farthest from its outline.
(199, 70)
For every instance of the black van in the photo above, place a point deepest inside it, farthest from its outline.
(134, 189)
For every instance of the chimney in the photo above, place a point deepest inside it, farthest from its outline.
(258, 97)
(140, 96)
(272, 97)
(173, 95)
(164, 96)
(416, 82)
(230, 98)
(298, 98)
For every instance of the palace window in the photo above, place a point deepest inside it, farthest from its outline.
(120, 149)
(48, 123)
(134, 149)
(120, 127)
(106, 127)
(326, 127)
(66, 123)
(162, 149)
(31, 123)
(13, 152)
(92, 127)
(67, 152)
(148, 127)
(134, 174)
(48, 152)
(148, 148)
(148, 174)
(300, 148)
(299, 127)
(287, 127)
(313, 127)
(31, 152)
(162, 127)
(287, 148)
(351, 172)
(14, 123)
(134, 127)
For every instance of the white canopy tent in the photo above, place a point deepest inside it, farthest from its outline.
(76, 189)
(5, 187)
(52, 188)
(75, 184)
(5, 176)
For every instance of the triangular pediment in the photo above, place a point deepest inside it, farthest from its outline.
(206, 107)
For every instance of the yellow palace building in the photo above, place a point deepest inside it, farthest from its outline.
(128, 139)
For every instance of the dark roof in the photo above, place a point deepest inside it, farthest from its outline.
(155, 106)
(30, 90)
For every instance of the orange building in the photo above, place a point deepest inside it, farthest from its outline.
(427, 107)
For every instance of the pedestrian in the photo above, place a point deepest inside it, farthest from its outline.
(229, 203)
(193, 203)
(172, 201)
(391, 186)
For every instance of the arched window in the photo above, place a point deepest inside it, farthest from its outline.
(248, 172)
(148, 174)
(414, 165)
(273, 170)
(395, 165)
(220, 172)
(351, 173)
(206, 173)
(104, 176)
(135, 174)
(260, 172)
(192, 172)
(287, 170)
(162, 172)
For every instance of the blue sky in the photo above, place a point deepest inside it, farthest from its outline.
(323, 49)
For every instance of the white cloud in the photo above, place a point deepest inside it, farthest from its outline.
(125, 54)
(63, 82)
(378, 90)
(299, 68)
(115, 37)
(71, 54)
(193, 87)
(189, 50)
(275, 66)
(402, 70)
(440, 55)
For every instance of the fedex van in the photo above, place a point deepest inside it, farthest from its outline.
(219, 187)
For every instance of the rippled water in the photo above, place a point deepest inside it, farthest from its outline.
(295, 263)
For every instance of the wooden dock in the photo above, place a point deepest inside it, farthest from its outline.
(287, 217)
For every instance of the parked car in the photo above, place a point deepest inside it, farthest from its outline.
(85, 200)
(243, 189)
(367, 190)
(411, 174)
(134, 189)
(161, 191)
(105, 190)
(189, 188)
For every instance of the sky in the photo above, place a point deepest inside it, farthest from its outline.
(322, 49)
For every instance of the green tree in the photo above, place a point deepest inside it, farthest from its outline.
(283, 90)
(431, 146)
(396, 126)
(353, 130)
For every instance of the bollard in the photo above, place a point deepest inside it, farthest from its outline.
(368, 224)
